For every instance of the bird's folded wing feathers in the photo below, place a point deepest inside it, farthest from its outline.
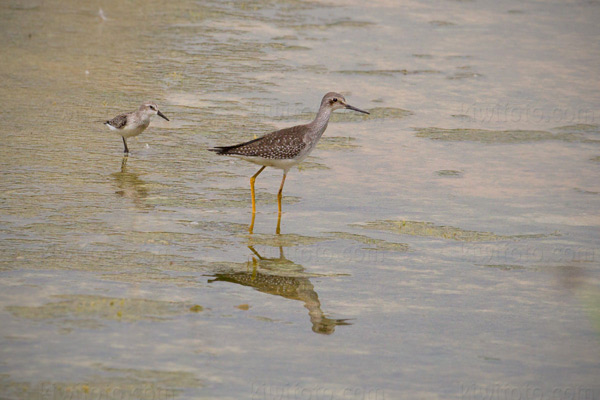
(118, 121)
(283, 144)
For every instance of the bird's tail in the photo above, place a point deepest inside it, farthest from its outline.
(232, 149)
(219, 150)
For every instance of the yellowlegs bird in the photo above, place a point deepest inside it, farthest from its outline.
(134, 123)
(287, 147)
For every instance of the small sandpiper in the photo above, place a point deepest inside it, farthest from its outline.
(287, 147)
(134, 123)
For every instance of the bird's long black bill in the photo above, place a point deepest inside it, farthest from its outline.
(348, 106)
(162, 115)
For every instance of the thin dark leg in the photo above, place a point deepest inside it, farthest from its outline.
(125, 143)
(124, 163)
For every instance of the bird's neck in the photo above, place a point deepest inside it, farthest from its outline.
(320, 122)
(144, 117)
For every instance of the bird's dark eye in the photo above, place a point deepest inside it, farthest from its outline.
(334, 99)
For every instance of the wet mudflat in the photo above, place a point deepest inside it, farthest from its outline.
(443, 247)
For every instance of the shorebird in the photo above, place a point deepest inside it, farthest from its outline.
(287, 147)
(134, 123)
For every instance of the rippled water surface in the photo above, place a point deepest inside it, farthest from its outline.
(446, 246)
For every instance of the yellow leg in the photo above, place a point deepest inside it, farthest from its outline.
(252, 180)
(254, 267)
(279, 197)
(251, 227)
(278, 229)
(280, 194)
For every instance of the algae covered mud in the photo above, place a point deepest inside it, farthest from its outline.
(445, 246)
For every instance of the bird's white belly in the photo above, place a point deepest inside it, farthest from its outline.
(128, 131)
(275, 163)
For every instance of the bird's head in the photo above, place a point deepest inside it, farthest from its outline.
(151, 108)
(336, 101)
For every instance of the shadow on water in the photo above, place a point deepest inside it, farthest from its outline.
(281, 277)
(131, 186)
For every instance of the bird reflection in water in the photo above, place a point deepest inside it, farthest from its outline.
(281, 277)
(277, 230)
(131, 186)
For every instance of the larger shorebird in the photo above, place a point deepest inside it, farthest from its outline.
(134, 123)
(287, 147)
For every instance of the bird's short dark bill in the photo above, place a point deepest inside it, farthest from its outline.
(162, 115)
(348, 106)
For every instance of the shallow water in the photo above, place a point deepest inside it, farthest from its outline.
(446, 246)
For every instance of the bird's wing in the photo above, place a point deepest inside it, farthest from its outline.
(118, 122)
(283, 144)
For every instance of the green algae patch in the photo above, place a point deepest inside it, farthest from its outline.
(584, 191)
(344, 23)
(218, 198)
(428, 229)
(283, 240)
(489, 358)
(377, 113)
(284, 47)
(372, 243)
(86, 307)
(579, 128)
(440, 23)
(389, 72)
(449, 172)
(463, 117)
(568, 133)
(464, 74)
(505, 267)
(350, 24)
(337, 143)
(221, 174)
(491, 136)
(352, 116)
(591, 299)
(312, 165)
(219, 226)
(152, 276)
(108, 383)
